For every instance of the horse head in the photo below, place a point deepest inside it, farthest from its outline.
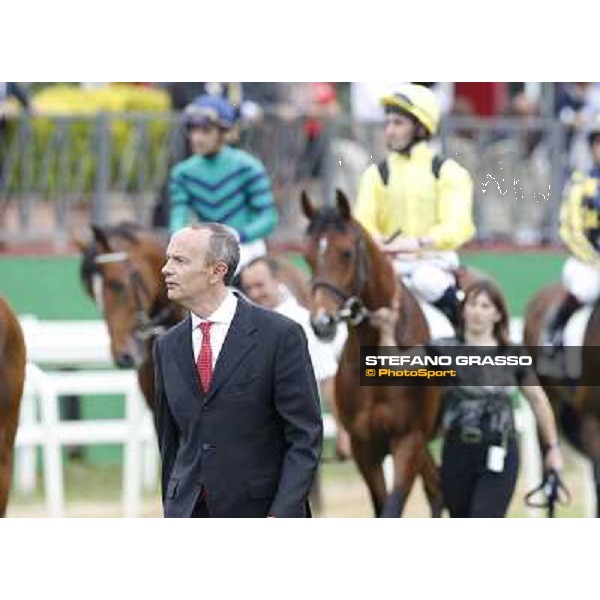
(121, 273)
(350, 275)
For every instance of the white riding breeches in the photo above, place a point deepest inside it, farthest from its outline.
(430, 274)
(582, 280)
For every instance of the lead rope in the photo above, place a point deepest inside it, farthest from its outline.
(554, 490)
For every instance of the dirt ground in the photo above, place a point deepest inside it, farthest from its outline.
(95, 492)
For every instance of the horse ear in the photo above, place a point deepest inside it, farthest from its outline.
(80, 239)
(101, 238)
(343, 205)
(308, 208)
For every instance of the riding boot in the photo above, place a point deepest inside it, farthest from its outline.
(558, 323)
(449, 304)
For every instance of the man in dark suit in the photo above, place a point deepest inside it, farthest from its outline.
(237, 408)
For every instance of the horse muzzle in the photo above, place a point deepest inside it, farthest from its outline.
(132, 356)
(125, 361)
(324, 326)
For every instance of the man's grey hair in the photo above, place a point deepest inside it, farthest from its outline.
(223, 246)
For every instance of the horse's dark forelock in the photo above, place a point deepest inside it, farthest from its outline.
(327, 219)
(88, 266)
(126, 231)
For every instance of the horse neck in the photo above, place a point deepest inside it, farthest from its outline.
(383, 288)
(381, 284)
(380, 287)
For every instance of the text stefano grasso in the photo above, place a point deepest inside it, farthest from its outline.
(446, 361)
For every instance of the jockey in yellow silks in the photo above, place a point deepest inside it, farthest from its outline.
(580, 231)
(417, 204)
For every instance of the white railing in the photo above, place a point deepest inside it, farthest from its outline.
(66, 343)
(61, 344)
(85, 344)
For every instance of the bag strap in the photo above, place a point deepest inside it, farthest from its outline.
(384, 171)
(436, 166)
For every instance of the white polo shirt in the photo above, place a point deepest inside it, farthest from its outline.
(322, 354)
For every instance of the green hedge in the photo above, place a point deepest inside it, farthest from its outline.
(69, 164)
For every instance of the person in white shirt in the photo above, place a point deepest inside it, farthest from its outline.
(260, 281)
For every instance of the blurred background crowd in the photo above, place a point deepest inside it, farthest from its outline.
(75, 152)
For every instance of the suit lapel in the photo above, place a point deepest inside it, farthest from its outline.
(185, 358)
(238, 342)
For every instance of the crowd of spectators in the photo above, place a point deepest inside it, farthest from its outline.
(286, 124)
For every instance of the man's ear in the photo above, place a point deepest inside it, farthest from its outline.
(221, 270)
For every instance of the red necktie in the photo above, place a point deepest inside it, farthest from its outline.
(205, 357)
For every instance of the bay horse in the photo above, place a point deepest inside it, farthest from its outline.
(121, 272)
(577, 407)
(352, 274)
(12, 379)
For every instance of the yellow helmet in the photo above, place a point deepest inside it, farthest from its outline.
(418, 101)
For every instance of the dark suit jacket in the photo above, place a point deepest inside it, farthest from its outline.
(253, 442)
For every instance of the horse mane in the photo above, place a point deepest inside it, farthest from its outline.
(325, 219)
(126, 229)
(2, 330)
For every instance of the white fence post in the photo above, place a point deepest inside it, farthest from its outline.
(132, 468)
(52, 434)
(53, 468)
(150, 454)
(51, 343)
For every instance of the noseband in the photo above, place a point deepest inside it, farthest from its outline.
(145, 326)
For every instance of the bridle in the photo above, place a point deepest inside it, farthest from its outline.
(351, 308)
(145, 326)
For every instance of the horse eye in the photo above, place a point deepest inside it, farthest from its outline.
(346, 254)
(116, 286)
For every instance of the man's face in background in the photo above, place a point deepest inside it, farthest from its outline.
(399, 131)
(206, 139)
(261, 285)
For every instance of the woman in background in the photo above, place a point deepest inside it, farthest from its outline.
(480, 458)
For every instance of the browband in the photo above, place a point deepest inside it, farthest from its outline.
(110, 257)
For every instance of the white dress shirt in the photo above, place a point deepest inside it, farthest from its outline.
(322, 354)
(221, 320)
